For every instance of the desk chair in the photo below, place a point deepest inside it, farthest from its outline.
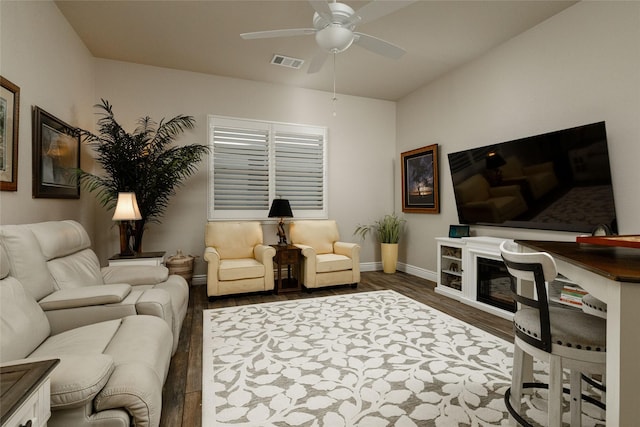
(563, 337)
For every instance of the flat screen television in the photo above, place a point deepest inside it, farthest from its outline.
(555, 181)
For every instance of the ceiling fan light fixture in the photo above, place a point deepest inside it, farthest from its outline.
(334, 38)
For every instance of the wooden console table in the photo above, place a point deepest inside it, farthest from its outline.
(287, 257)
(611, 274)
(25, 393)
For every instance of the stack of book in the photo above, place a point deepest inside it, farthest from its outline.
(572, 295)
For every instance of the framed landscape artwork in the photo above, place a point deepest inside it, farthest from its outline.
(56, 157)
(420, 180)
(9, 118)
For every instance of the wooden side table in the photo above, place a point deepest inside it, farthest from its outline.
(288, 260)
(25, 393)
(142, 258)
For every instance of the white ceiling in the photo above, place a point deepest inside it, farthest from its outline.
(203, 36)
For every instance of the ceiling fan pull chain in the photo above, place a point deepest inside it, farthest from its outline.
(334, 85)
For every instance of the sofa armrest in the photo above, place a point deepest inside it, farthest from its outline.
(78, 379)
(85, 296)
(539, 168)
(308, 265)
(135, 274)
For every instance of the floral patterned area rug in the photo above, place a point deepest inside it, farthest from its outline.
(366, 359)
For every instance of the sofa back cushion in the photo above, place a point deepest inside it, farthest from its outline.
(26, 262)
(23, 324)
(67, 248)
(233, 240)
(320, 234)
(60, 238)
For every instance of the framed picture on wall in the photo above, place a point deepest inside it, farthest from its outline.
(420, 180)
(9, 118)
(56, 157)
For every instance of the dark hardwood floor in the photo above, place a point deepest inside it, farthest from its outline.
(182, 390)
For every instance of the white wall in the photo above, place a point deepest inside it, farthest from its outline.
(40, 52)
(580, 66)
(361, 145)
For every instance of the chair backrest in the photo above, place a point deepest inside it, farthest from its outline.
(66, 247)
(319, 234)
(23, 324)
(26, 262)
(537, 267)
(233, 240)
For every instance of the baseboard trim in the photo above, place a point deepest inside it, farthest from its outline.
(201, 279)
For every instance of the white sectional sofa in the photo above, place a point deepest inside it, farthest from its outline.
(111, 373)
(54, 262)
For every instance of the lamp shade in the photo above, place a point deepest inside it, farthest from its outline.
(127, 208)
(334, 38)
(280, 208)
(494, 160)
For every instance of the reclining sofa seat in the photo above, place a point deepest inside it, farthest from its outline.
(238, 261)
(110, 373)
(327, 261)
(55, 263)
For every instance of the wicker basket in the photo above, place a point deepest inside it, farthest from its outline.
(182, 265)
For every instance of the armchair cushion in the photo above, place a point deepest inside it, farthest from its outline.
(236, 269)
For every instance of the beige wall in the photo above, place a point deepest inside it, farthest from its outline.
(41, 54)
(361, 145)
(580, 66)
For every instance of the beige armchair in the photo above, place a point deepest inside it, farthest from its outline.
(327, 261)
(238, 260)
(480, 202)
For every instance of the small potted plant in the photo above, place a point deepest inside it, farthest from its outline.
(388, 231)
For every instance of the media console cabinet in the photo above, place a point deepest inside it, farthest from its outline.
(471, 270)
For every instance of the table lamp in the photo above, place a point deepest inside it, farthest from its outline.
(280, 208)
(126, 211)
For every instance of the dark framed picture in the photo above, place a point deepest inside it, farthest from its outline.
(420, 180)
(56, 157)
(9, 130)
(458, 231)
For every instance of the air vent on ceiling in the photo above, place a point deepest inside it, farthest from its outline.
(286, 61)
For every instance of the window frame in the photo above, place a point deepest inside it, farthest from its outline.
(216, 121)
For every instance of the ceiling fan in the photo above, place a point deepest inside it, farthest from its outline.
(334, 27)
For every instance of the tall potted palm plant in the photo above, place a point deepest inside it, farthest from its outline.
(143, 162)
(388, 231)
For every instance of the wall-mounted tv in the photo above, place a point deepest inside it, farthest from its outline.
(556, 181)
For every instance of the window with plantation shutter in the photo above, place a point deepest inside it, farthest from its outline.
(253, 162)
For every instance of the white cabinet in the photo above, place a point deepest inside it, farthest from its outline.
(458, 261)
(450, 264)
(26, 393)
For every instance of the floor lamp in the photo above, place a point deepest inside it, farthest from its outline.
(126, 211)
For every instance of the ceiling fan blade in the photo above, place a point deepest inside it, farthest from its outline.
(377, 9)
(378, 46)
(317, 62)
(279, 33)
(322, 7)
